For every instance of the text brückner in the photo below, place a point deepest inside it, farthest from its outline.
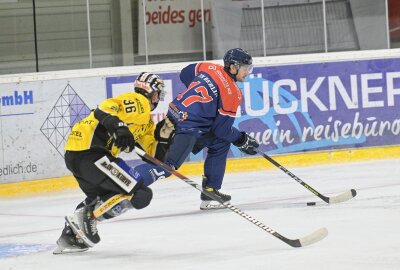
(372, 90)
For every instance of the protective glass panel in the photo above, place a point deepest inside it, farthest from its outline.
(114, 25)
(294, 27)
(236, 24)
(62, 34)
(17, 42)
(173, 30)
(356, 25)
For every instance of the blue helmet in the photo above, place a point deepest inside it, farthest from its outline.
(238, 57)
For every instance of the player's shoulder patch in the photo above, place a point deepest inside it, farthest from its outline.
(231, 95)
(206, 67)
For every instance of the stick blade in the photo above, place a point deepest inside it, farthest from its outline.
(343, 197)
(314, 237)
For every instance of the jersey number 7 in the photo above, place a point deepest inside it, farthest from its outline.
(204, 97)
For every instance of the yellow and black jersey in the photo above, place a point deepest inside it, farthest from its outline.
(131, 108)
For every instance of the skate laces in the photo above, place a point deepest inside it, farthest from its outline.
(92, 221)
(216, 192)
(93, 226)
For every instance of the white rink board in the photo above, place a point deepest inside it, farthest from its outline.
(26, 153)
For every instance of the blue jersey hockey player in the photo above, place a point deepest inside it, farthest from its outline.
(203, 116)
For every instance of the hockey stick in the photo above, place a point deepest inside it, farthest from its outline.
(305, 241)
(110, 203)
(345, 196)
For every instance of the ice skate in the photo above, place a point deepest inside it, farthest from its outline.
(208, 203)
(69, 242)
(84, 224)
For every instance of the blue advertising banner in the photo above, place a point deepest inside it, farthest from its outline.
(313, 107)
(323, 106)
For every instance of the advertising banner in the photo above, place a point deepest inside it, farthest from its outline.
(322, 106)
(287, 108)
(315, 107)
(177, 20)
(35, 120)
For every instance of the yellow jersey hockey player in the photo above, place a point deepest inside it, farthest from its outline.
(92, 149)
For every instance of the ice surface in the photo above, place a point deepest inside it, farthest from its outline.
(172, 233)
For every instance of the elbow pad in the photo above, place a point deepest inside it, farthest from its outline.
(110, 122)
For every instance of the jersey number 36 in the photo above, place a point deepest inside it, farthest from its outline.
(131, 108)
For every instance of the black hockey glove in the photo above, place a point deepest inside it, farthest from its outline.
(164, 132)
(247, 144)
(124, 138)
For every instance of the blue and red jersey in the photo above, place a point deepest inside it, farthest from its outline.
(210, 102)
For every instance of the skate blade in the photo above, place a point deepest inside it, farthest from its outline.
(66, 250)
(77, 231)
(212, 205)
